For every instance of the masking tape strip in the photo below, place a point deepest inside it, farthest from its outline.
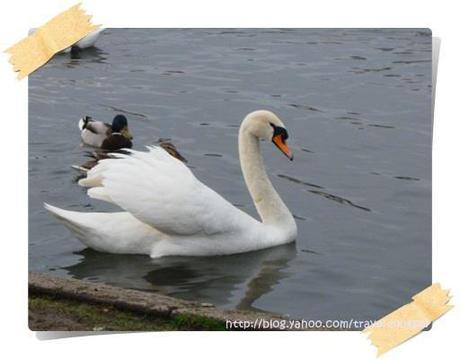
(410, 319)
(59, 33)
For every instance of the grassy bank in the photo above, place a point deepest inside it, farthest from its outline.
(67, 304)
(48, 312)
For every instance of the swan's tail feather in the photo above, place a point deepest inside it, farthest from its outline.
(71, 220)
(117, 232)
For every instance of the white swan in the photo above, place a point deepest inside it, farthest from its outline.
(168, 211)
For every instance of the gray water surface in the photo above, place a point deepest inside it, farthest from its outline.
(357, 105)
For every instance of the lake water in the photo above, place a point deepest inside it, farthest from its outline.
(357, 105)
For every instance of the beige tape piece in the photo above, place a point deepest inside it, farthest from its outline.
(410, 319)
(59, 33)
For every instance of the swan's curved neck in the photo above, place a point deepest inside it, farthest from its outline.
(270, 207)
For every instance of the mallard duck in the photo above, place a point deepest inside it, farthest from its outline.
(169, 212)
(105, 136)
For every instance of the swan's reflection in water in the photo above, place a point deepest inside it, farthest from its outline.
(234, 281)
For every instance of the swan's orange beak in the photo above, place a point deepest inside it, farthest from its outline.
(283, 146)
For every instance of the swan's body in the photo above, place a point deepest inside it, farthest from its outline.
(168, 211)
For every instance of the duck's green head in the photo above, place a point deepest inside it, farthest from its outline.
(120, 125)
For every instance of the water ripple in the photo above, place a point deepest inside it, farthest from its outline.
(339, 199)
(296, 180)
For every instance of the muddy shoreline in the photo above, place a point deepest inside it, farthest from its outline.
(61, 304)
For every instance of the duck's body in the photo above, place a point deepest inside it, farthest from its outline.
(109, 137)
(168, 211)
(88, 41)
(96, 156)
(95, 132)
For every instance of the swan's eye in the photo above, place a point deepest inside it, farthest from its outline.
(279, 131)
(279, 138)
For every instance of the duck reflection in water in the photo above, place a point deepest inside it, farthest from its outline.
(80, 56)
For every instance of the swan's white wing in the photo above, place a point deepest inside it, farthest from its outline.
(161, 191)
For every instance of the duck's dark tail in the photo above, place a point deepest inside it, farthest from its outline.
(83, 123)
